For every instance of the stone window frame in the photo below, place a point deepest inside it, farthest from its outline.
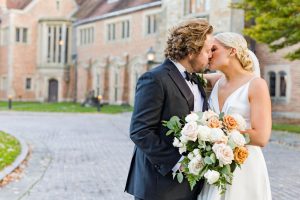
(31, 83)
(147, 14)
(279, 70)
(125, 29)
(117, 22)
(51, 46)
(20, 39)
(86, 35)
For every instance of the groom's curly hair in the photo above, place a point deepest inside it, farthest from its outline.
(186, 38)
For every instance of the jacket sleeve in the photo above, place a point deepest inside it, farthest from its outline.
(145, 123)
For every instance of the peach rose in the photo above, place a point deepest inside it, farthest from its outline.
(229, 122)
(214, 122)
(240, 154)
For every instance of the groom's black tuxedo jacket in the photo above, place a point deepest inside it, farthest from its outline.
(160, 94)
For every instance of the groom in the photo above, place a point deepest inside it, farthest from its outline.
(167, 90)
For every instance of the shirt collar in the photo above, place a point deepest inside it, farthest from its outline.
(179, 67)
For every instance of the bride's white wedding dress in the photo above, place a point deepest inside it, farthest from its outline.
(251, 182)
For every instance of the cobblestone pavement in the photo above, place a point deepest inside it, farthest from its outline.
(87, 156)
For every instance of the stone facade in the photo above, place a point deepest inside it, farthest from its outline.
(73, 48)
(35, 50)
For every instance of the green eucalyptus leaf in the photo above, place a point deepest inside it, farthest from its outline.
(169, 132)
(180, 177)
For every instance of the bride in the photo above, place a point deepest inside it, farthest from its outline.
(241, 90)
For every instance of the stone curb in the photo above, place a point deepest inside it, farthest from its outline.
(24, 152)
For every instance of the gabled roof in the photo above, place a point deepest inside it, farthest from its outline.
(94, 8)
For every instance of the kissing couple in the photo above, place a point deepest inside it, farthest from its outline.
(169, 90)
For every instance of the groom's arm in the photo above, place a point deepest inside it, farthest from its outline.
(145, 123)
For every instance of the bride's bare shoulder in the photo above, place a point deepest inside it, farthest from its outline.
(257, 86)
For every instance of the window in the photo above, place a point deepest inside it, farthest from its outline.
(21, 35)
(28, 84)
(283, 84)
(86, 36)
(187, 7)
(57, 4)
(272, 83)
(111, 32)
(207, 5)
(151, 24)
(4, 36)
(278, 78)
(56, 48)
(125, 29)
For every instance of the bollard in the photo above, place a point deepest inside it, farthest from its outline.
(9, 102)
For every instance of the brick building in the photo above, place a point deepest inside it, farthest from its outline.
(61, 50)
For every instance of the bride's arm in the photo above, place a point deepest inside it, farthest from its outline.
(212, 78)
(261, 116)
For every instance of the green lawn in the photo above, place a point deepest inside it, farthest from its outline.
(286, 127)
(63, 107)
(10, 148)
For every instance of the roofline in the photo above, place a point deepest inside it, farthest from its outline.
(116, 13)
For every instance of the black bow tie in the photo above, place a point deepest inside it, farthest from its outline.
(192, 77)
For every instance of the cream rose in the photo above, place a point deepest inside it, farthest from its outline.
(218, 136)
(223, 153)
(195, 165)
(203, 133)
(212, 176)
(191, 117)
(190, 131)
(237, 138)
(207, 115)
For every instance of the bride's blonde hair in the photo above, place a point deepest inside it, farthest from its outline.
(238, 42)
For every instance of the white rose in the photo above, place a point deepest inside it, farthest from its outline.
(190, 156)
(196, 165)
(176, 142)
(212, 176)
(240, 121)
(196, 152)
(237, 138)
(183, 139)
(191, 117)
(182, 149)
(217, 135)
(223, 153)
(190, 131)
(203, 133)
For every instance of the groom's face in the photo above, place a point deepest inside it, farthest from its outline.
(199, 62)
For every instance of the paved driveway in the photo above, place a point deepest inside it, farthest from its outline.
(86, 157)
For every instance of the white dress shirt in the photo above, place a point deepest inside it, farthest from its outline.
(198, 99)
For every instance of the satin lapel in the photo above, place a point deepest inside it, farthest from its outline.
(182, 86)
(203, 94)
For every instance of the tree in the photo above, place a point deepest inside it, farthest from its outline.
(276, 23)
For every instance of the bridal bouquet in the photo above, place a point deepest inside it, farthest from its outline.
(211, 146)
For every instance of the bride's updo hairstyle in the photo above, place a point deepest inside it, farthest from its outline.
(238, 42)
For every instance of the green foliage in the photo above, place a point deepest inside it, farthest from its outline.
(10, 148)
(276, 23)
(63, 107)
(174, 125)
(286, 127)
